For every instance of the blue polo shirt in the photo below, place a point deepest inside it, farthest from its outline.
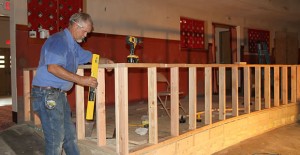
(63, 50)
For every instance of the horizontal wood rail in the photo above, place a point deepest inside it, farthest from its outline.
(278, 76)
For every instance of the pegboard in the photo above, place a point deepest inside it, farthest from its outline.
(52, 15)
(191, 33)
(255, 36)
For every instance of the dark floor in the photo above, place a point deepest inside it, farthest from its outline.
(6, 117)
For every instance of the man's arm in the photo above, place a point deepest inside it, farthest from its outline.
(66, 75)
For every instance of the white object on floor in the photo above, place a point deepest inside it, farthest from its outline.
(141, 131)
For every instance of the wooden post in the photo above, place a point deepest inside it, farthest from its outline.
(284, 86)
(247, 89)
(222, 93)
(298, 83)
(267, 87)
(257, 88)
(26, 90)
(208, 95)
(100, 108)
(174, 101)
(276, 86)
(152, 105)
(192, 98)
(80, 119)
(121, 98)
(235, 91)
(294, 84)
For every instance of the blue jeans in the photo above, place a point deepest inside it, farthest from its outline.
(54, 111)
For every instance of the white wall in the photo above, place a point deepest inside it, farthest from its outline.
(155, 18)
(160, 19)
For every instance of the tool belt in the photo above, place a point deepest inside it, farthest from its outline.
(49, 88)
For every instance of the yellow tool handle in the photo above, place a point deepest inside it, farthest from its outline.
(92, 91)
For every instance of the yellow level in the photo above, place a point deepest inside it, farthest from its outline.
(92, 91)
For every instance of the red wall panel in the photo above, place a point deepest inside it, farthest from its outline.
(52, 15)
(115, 48)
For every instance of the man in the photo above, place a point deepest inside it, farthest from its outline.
(60, 56)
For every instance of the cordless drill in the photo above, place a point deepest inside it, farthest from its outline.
(132, 42)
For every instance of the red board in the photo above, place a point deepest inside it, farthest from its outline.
(52, 15)
(191, 33)
(256, 36)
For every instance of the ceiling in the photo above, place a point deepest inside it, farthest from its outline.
(287, 11)
(264, 10)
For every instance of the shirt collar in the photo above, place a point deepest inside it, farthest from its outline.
(70, 38)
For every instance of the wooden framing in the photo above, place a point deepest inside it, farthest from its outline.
(280, 73)
(80, 118)
(26, 89)
(174, 101)
(284, 85)
(208, 95)
(293, 84)
(276, 86)
(257, 88)
(298, 84)
(247, 89)
(235, 91)
(222, 93)
(152, 106)
(121, 98)
(192, 98)
(100, 108)
(267, 87)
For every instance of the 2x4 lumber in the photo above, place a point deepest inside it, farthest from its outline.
(276, 86)
(121, 107)
(284, 88)
(293, 84)
(208, 95)
(80, 122)
(222, 93)
(26, 90)
(192, 98)
(257, 88)
(235, 87)
(174, 101)
(247, 89)
(152, 105)
(298, 83)
(100, 108)
(267, 87)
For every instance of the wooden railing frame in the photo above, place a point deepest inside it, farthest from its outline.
(271, 72)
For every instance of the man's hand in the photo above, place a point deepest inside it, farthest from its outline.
(88, 81)
(106, 61)
(66, 75)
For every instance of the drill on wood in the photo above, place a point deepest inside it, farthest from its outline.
(132, 42)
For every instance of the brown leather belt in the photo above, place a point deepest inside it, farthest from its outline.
(49, 88)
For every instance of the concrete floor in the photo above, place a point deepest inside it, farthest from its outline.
(24, 139)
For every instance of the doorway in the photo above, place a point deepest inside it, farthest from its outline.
(225, 49)
(5, 61)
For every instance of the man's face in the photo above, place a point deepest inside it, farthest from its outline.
(83, 28)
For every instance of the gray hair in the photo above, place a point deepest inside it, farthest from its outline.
(80, 17)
